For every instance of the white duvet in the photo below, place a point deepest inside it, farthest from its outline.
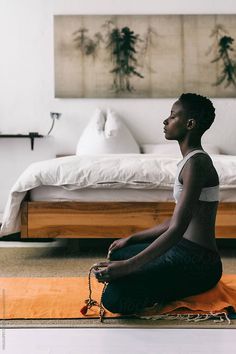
(114, 171)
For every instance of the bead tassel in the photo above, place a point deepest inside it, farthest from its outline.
(90, 302)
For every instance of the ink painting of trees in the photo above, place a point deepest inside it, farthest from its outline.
(144, 56)
(122, 46)
(224, 54)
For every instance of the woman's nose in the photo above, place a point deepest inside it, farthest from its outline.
(165, 121)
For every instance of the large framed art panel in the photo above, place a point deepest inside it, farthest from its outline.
(140, 56)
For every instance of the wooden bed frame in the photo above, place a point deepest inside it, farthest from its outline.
(106, 219)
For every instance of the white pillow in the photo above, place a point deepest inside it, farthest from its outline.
(106, 136)
(211, 149)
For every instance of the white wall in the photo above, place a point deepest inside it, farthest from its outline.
(27, 83)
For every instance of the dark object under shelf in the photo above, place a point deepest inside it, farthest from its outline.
(31, 136)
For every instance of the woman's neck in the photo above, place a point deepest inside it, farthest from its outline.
(187, 147)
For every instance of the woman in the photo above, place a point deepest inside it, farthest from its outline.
(179, 257)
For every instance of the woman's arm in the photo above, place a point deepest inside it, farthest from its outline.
(149, 234)
(143, 236)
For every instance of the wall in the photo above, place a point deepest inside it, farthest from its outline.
(27, 83)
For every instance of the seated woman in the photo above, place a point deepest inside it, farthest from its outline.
(179, 257)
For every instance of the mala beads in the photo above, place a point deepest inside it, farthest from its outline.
(90, 302)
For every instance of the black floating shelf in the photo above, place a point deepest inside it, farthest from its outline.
(31, 136)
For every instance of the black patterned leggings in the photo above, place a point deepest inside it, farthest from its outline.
(184, 270)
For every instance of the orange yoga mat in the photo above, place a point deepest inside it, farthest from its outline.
(52, 298)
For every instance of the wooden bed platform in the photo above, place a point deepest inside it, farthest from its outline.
(106, 219)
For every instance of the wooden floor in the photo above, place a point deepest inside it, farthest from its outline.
(116, 341)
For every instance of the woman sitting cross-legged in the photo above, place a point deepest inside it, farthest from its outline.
(179, 257)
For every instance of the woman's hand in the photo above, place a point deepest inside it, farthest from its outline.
(111, 270)
(117, 244)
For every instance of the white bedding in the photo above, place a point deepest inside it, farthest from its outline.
(138, 171)
(59, 194)
(55, 193)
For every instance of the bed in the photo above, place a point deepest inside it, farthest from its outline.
(106, 196)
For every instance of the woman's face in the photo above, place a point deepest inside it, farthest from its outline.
(175, 126)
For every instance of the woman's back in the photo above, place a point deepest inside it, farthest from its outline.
(201, 229)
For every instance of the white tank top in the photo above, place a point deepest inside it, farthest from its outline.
(209, 194)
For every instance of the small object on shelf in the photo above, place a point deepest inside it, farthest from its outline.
(31, 135)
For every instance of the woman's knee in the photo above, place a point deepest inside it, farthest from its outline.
(117, 255)
(116, 300)
(118, 305)
(110, 301)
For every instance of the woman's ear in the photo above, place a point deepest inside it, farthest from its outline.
(191, 123)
